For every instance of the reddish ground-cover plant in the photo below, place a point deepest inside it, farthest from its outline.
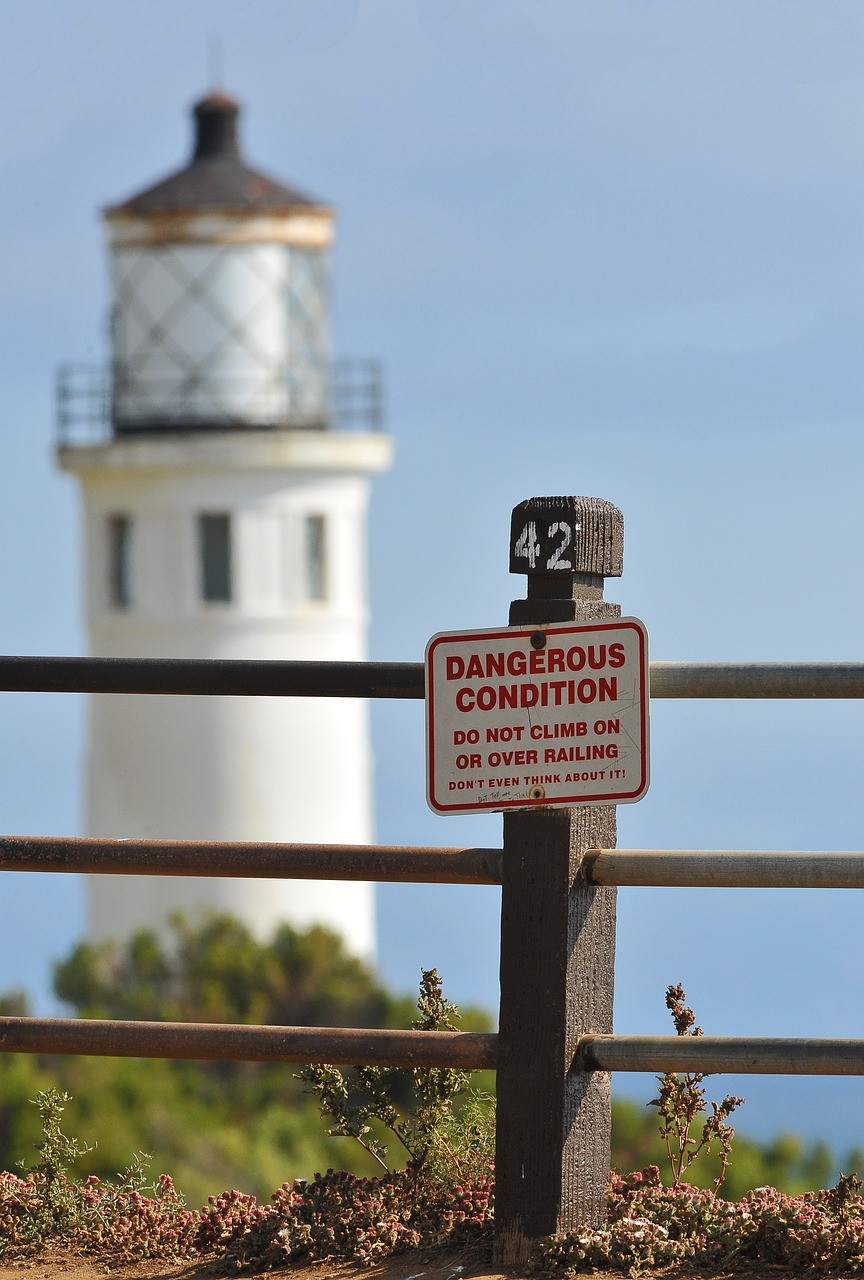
(98, 1218)
(335, 1215)
(653, 1227)
(338, 1215)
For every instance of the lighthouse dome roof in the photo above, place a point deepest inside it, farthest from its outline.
(217, 178)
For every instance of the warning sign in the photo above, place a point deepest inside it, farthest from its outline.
(537, 716)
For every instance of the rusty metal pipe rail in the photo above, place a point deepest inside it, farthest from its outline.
(213, 676)
(459, 1049)
(725, 868)
(757, 680)
(408, 863)
(749, 1055)
(464, 1050)
(235, 678)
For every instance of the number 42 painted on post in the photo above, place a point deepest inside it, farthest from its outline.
(529, 547)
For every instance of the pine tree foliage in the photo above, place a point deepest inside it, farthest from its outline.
(213, 1125)
(252, 1125)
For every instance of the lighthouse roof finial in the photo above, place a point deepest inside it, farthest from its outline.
(216, 126)
(217, 178)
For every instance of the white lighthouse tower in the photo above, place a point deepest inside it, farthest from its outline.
(224, 508)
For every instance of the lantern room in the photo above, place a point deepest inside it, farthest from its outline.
(219, 314)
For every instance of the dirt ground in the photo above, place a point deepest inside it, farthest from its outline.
(446, 1264)
(442, 1264)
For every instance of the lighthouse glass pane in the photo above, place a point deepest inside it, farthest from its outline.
(214, 544)
(316, 558)
(120, 561)
(308, 344)
(200, 337)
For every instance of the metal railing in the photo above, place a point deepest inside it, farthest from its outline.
(397, 679)
(86, 855)
(95, 403)
(599, 867)
(725, 868)
(108, 1038)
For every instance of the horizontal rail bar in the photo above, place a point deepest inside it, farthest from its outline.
(408, 863)
(459, 1049)
(725, 868)
(466, 1050)
(235, 678)
(228, 677)
(748, 1055)
(757, 680)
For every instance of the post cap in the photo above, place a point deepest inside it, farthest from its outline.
(567, 535)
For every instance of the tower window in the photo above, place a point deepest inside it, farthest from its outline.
(119, 561)
(315, 558)
(214, 549)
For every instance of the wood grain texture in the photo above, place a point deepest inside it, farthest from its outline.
(553, 1146)
(595, 543)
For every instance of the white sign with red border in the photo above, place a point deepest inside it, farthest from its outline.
(528, 717)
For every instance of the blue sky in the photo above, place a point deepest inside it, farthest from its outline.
(604, 247)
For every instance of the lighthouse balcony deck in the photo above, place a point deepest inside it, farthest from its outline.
(96, 403)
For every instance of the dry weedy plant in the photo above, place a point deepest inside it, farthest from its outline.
(681, 1103)
(446, 1140)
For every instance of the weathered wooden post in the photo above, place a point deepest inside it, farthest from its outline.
(557, 933)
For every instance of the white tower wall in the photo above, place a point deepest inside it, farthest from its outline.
(200, 768)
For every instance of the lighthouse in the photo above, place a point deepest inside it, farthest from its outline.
(224, 462)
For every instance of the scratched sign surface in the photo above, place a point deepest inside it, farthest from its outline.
(526, 717)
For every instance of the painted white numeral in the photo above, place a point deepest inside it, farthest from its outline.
(527, 544)
(555, 561)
